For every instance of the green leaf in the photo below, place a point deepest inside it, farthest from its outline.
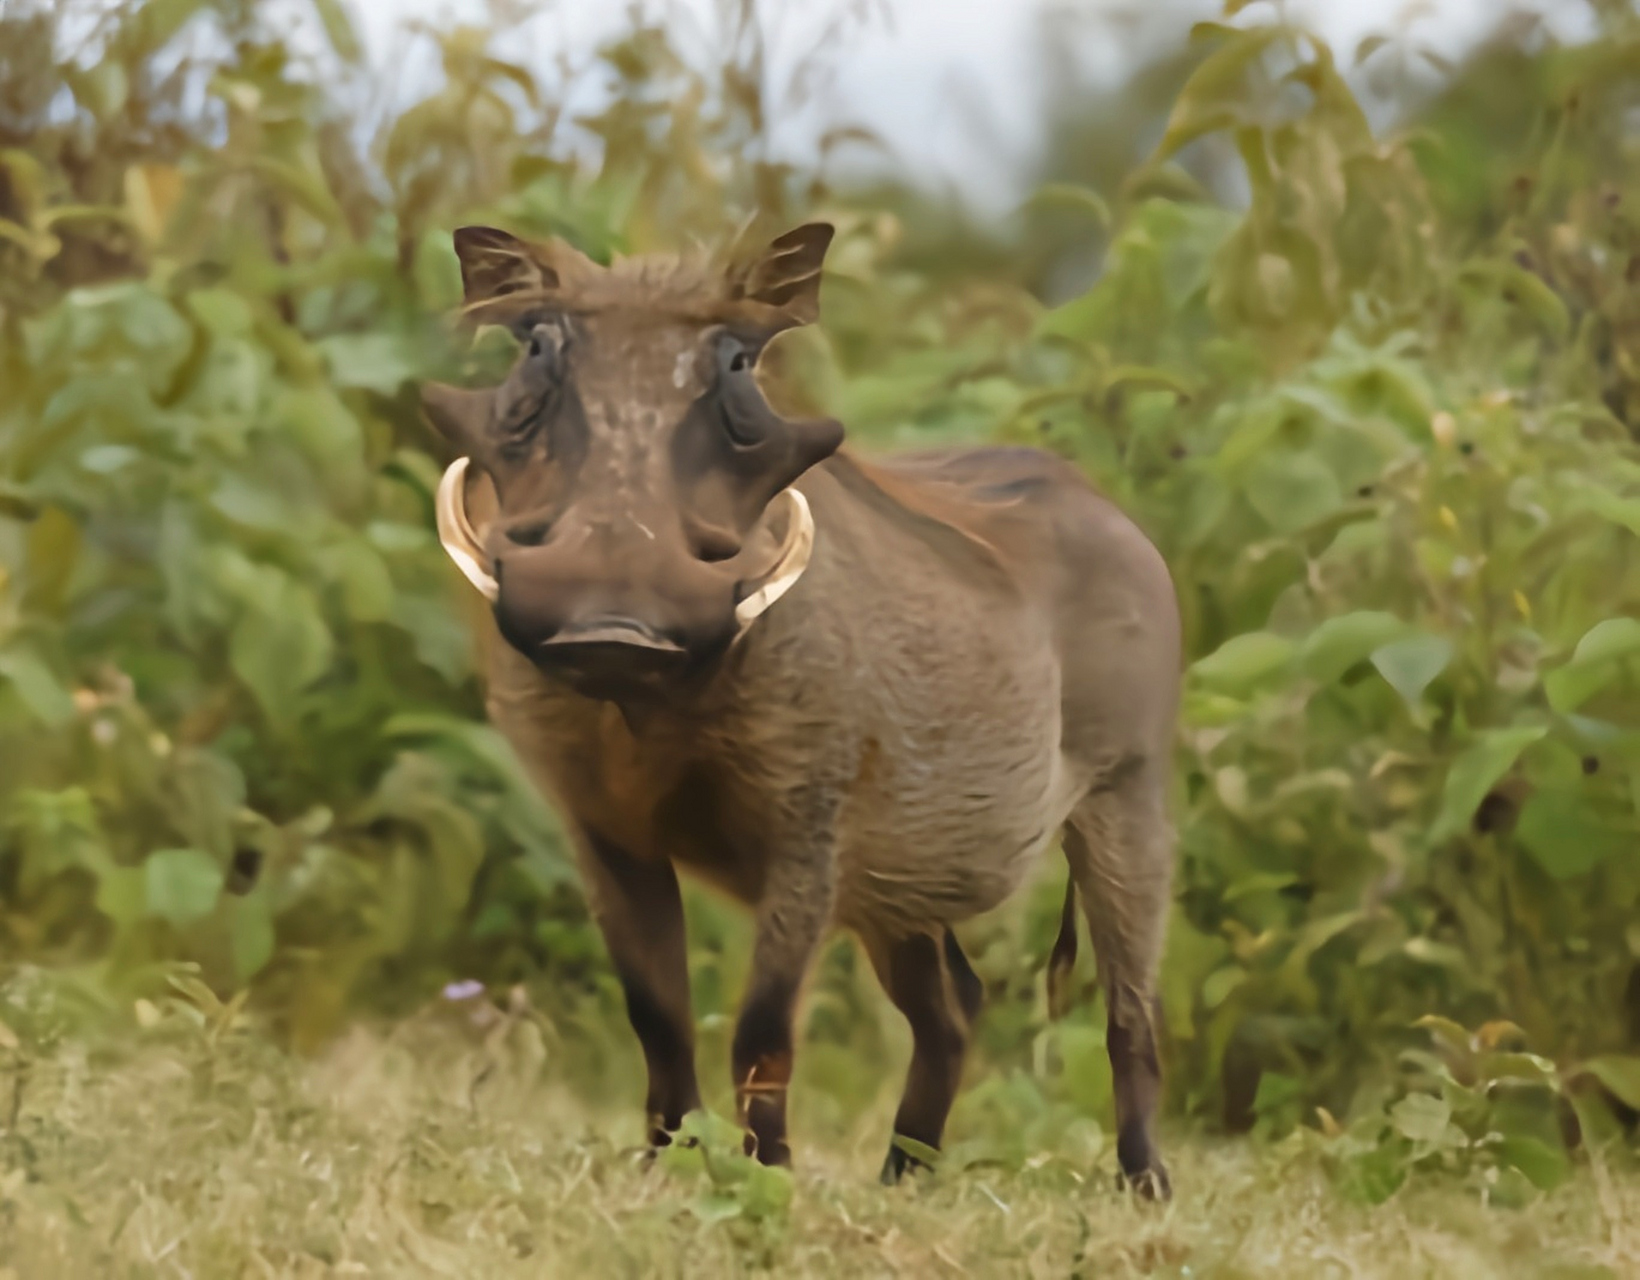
(251, 503)
(1073, 195)
(1518, 1066)
(280, 644)
(1373, 1176)
(1215, 95)
(122, 893)
(928, 1155)
(358, 569)
(322, 426)
(250, 921)
(1559, 829)
(1613, 638)
(1339, 643)
(303, 184)
(1243, 662)
(1245, 886)
(36, 687)
(1544, 1165)
(1422, 1117)
(381, 362)
(158, 20)
(440, 638)
(1452, 1039)
(1276, 1092)
(1475, 772)
(767, 1193)
(1619, 1073)
(715, 1206)
(1538, 300)
(1594, 664)
(1292, 490)
(182, 884)
(106, 459)
(223, 312)
(1411, 665)
(1614, 507)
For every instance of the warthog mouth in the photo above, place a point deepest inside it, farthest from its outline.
(613, 631)
(464, 546)
(614, 658)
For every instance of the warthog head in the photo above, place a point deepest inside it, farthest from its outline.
(643, 509)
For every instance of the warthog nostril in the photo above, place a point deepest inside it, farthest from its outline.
(532, 534)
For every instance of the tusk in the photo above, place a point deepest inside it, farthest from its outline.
(460, 542)
(794, 559)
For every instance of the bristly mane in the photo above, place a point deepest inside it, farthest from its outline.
(942, 522)
(698, 285)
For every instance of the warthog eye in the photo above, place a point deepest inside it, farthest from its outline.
(528, 394)
(738, 396)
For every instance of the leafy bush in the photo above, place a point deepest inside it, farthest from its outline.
(1481, 1106)
(1380, 419)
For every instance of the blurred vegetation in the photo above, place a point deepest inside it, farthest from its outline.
(1382, 416)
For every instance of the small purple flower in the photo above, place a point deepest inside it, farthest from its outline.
(464, 990)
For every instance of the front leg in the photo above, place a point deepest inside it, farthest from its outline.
(791, 919)
(640, 911)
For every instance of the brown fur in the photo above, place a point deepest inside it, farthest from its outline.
(983, 653)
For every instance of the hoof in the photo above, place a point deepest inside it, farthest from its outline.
(900, 1162)
(1150, 1183)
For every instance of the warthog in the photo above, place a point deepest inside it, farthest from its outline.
(848, 694)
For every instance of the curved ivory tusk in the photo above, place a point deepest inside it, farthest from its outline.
(460, 542)
(794, 558)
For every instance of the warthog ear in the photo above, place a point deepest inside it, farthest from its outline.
(785, 278)
(495, 263)
(501, 274)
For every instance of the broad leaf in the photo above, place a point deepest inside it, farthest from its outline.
(1423, 1118)
(1595, 663)
(1475, 772)
(1339, 643)
(182, 885)
(1620, 1074)
(1243, 662)
(1564, 834)
(1411, 665)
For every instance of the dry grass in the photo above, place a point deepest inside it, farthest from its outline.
(438, 1151)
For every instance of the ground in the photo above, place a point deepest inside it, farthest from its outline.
(191, 1146)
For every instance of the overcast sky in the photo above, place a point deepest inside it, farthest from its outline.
(948, 83)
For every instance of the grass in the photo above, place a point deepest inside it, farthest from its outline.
(449, 1146)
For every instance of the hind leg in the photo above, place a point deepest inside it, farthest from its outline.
(931, 983)
(1120, 847)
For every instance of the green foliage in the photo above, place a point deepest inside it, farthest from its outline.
(1381, 421)
(1480, 1106)
(1382, 450)
(736, 1187)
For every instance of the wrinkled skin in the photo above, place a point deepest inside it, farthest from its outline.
(981, 655)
